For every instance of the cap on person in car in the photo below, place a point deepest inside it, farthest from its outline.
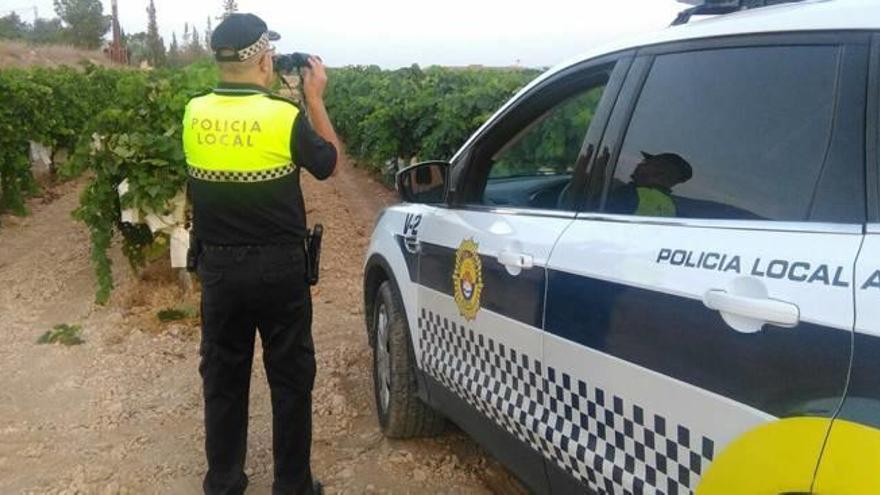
(684, 168)
(240, 37)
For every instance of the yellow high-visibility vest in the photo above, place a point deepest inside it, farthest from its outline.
(654, 203)
(238, 138)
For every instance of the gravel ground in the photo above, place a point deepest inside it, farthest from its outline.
(122, 412)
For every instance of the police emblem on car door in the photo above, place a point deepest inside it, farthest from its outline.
(467, 279)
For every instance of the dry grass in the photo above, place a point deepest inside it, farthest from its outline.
(156, 288)
(18, 54)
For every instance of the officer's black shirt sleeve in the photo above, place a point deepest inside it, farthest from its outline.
(311, 151)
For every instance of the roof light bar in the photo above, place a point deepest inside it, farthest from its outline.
(721, 7)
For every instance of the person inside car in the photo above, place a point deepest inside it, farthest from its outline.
(650, 191)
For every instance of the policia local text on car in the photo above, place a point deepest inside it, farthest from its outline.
(245, 148)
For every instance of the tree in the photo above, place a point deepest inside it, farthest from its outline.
(229, 7)
(85, 20)
(12, 27)
(208, 32)
(42, 31)
(195, 43)
(47, 31)
(195, 50)
(138, 46)
(155, 43)
(174, 51)
(185, 35)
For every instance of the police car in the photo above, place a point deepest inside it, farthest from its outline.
(656, 269)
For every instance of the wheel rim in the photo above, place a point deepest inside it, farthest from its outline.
(383, 358)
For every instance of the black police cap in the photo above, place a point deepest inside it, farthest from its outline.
(684, 168)
(240, 37)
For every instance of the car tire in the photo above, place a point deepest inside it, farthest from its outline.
(402, 414)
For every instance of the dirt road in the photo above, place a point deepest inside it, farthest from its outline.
(122, 412)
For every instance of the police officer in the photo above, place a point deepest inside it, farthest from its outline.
(650, 192)
(245, 149)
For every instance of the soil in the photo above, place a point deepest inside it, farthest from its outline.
(122, 413)
(21, 55)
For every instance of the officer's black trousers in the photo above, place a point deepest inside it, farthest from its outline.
(244, 289)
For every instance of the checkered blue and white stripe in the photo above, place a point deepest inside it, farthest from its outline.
(256, 48)
(240, 176)
(606, 442)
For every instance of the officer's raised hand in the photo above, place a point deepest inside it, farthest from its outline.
(314, 79)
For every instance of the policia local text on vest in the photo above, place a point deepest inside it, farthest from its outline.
(245, 149)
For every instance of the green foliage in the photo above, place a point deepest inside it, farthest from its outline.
(552, 143)
(12, 27)
(85, 20)
(173, 52)
(177, 313)
(120, 124)
(41, 31)
(46, 31)
(138, 50)
(25, 118)
(137, 136)
(50, 106)
(412, 112)
(63, 334)
(127, 125)
(155, 44)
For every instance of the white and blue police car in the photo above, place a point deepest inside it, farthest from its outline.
(656, 269)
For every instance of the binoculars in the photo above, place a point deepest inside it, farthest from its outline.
(291, 61)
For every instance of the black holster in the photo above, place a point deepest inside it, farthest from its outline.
(313, 254)
(193, 253)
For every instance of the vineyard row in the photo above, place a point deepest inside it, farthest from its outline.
(126, 125)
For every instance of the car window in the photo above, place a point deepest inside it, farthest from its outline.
(534, 167)
(739, 133)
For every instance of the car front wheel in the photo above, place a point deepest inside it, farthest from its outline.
(401, 413)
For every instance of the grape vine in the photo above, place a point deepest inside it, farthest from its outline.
(126, 125)
(137, 137)
(418, 113)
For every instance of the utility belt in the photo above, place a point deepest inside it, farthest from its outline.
(311, 243)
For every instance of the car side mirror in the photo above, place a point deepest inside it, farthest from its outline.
(426, 182)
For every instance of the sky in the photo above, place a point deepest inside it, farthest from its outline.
(396, 33)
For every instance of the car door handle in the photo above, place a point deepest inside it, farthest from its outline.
(757, 309)
(516, 261)
(411, 243)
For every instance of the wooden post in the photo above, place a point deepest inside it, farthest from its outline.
(118, 53)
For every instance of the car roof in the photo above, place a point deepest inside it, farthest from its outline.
(809, 15)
